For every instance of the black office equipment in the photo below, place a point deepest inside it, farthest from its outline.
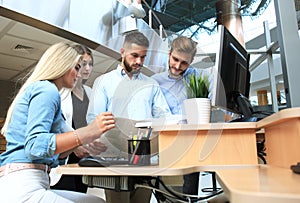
(232, 78)
(139, 152)
(296, 168)
(98, 161)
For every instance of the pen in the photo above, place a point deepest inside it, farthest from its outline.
(134, 153)
(135, 159)
(134, 139)
(149, 133)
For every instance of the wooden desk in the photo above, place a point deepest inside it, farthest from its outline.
(260, 184)
(241, 183)
(230, 150)
(206, 144)
(74, 169)
(282, 134)
(231, 143)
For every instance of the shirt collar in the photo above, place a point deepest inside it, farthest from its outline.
(189, 70)
(173, 77)
(123, 73)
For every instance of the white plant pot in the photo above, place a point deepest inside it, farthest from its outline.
(197, 110)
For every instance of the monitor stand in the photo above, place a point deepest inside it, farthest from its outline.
(248, 114)
(246, 119)
(245, 108)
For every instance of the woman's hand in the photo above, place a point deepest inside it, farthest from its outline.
(81, 152)
(102, 123)
(105, 121)
(96, 147)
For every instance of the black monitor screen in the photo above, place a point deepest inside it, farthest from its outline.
(232, 79)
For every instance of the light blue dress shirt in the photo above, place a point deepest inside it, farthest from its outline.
(35, 121)
(138, 99)
(174, 89)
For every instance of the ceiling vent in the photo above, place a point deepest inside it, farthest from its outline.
(23, 49)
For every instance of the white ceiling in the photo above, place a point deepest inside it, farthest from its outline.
(22, 45)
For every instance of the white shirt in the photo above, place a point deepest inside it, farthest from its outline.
(138, 99)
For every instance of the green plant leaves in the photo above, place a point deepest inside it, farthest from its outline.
(197, 86)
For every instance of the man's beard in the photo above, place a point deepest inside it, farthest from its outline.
(129, 70)
(177, 77)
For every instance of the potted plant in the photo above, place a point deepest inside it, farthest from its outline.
(197, 106)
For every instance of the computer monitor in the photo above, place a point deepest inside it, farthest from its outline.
(231, 76)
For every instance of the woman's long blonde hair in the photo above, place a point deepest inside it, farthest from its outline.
(53, 64)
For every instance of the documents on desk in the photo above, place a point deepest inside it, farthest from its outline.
(117, 139)
(172, 119)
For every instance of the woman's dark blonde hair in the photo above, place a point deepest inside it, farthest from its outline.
(54, 63)
(82, 49)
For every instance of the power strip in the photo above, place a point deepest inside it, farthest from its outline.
(117, 183)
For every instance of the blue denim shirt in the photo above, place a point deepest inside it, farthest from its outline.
(35, 121)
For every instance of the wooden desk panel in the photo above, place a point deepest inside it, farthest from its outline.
(215, 144)
(282, 134)
(260, 184)
(125, 170)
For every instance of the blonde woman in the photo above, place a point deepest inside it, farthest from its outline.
(35, 131)
(74, 106)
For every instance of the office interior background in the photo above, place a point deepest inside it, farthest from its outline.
(29, 27)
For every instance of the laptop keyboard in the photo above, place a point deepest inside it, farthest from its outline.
(102, 161)
(116, 160)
